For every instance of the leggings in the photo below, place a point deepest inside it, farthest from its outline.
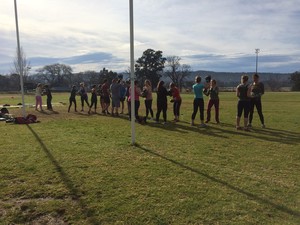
(257, 103)
(38, 101)
(243, 106)
(148, 104)
(136, 109)
(72, 100)
(94, 102)
(211, 103)
(198, 104)
(161, 107)
(176, 107)
(84, 99)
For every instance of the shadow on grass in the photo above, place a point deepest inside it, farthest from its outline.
(250, 195)
(75, 194)
(47, 112)
(266, 134)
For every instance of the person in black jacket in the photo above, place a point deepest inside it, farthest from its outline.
(257, 90)
(72, 98)
(162, 101)
(47, 92)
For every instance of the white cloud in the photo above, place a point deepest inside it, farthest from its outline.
(233, 28)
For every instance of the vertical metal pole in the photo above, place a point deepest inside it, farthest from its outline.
(132, 73)
(20, 60)
(256, 51)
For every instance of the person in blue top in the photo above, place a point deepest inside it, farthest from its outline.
(198, 103)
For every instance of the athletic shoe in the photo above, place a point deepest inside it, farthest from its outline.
(238, 128)
(263, 126)
(249, 125)
(202, 125)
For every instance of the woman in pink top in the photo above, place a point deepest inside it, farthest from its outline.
(137, 94)
(147, 94)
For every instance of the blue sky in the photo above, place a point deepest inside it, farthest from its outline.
(211, 35)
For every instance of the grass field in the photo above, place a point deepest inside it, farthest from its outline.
(75, 168)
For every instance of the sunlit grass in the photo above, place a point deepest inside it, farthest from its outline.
(75, 168)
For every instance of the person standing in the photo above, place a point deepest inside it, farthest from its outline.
(147, 94)
(198, 103)
(94, 99)
(176, 99)
(122, 94)
(72, 98)
(49, 97)
(84, 96)
(38, 96)
(137, 94)
(257, 90)
(162, 101)
(243, 93)
(115, 97)
(213, 93)
(105, 96)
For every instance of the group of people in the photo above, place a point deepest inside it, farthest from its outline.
(119, 92)
(39, 92)
(249, 95)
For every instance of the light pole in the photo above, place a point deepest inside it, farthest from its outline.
(256, 52)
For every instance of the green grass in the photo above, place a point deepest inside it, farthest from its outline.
(74, 168)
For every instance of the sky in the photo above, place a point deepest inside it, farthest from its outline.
(213, 35)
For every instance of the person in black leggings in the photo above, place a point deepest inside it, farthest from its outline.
(162, 101)
(243, 93)
(84, 96)
(257, 90)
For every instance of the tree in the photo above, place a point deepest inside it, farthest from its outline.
(150, 66)
(56, 74)
(177, 72)
(25, 65)
(295, 78)
(109, 75)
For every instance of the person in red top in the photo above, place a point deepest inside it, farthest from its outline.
(176, 99)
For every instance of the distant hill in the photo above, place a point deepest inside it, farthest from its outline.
(228, 77)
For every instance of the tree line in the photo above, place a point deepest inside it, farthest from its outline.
(151, 65)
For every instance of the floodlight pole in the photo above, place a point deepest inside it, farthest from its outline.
(20, 60)
(256, 52)
(132, 97)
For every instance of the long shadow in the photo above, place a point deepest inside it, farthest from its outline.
(265, 201)
(75, 194)
(269, 134)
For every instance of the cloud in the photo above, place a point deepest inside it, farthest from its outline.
(221, 33)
